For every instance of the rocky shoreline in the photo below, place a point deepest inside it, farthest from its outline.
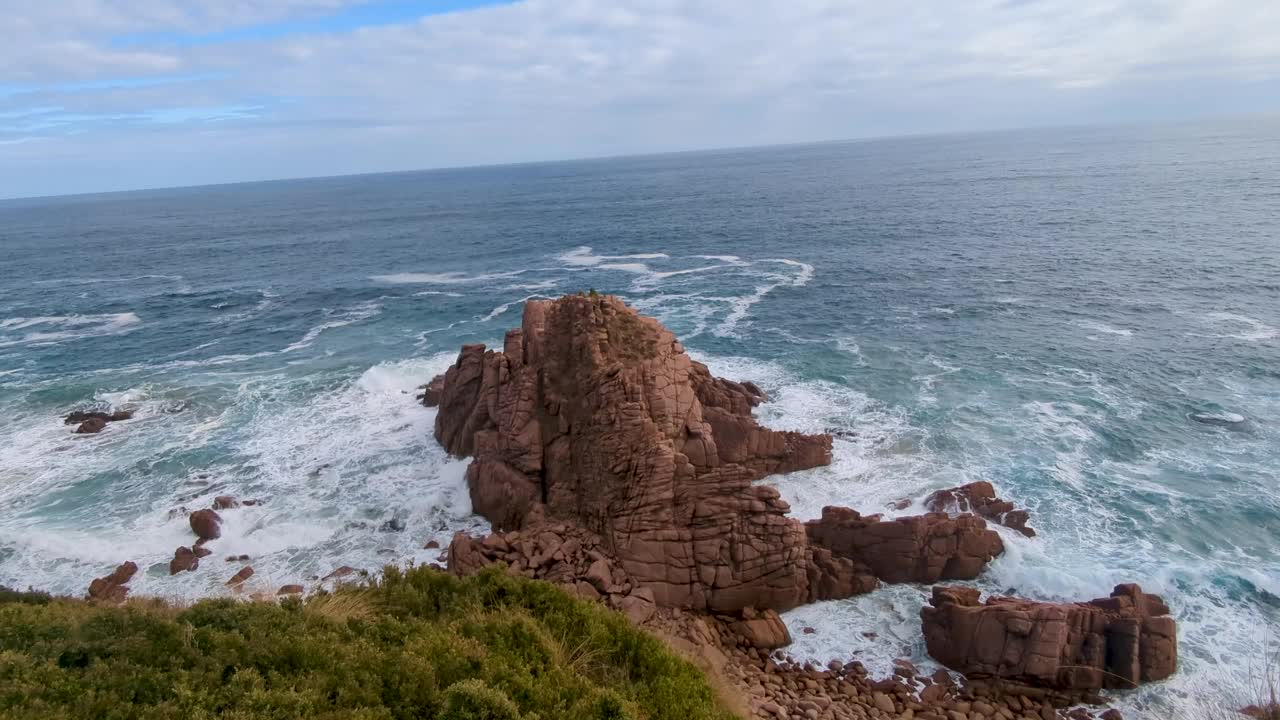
(613, 465)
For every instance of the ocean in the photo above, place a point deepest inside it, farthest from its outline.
(1088, 318)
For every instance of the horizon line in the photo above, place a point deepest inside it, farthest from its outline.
(636, 155)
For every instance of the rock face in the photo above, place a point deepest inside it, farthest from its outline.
(921, 549)
(113, 587)
(1114, 642)
(980, 497)
(594, 415)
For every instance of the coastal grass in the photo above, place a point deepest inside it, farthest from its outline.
(415, 644)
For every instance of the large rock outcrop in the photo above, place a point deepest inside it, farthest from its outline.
(595, 415)
(1114, 642)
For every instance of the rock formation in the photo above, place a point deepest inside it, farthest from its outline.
(113, 587)
(206, 524)
(90, 422)
(1114, 642)
(595, 416)
(184, 560)
(980, 497)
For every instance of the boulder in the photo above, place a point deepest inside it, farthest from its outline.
(225, 502)
(184, 560)
(238, 579)
(206, 524)
(112, 588)
(291, 590)
(1114, 642)
(763, 631)
(980, 498)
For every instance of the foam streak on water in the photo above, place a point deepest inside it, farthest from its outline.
(1087, 319)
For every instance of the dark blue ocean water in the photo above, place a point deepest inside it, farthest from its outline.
(1087, 318)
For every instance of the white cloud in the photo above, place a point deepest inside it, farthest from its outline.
(546, 78)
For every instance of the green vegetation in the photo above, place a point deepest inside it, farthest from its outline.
(417, 644)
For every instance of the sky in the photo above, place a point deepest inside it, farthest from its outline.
(100, 95)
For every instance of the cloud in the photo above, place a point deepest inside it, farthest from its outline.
(553, 78)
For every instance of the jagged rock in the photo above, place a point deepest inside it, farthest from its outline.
(206, 524)
(112, 588)
(594, 414)
(432, 391)
(395, 524)
(238, 579)
(921, 549)
(184, 560)
(201, 551)
(237, 558)
(980, 498)
(1115, 642)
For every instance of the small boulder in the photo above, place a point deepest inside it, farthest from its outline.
(206, 524)
(201, 551)
(237, 558)
(395, 524)
(765, 631)
(238, 579)
(225, 502)
(291, 590)
(184, 559)
(111, 588)
(431, 545)
(639, 606)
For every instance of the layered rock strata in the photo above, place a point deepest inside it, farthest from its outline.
(1113, 642)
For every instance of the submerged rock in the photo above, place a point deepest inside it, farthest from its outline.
(238, 579)
(225, 502)
(1114, 642)
(90, 422)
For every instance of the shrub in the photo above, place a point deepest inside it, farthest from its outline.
(415, 644)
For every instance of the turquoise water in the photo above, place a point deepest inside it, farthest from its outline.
(1087, 318)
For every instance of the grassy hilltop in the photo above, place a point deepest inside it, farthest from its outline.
(417, 644)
